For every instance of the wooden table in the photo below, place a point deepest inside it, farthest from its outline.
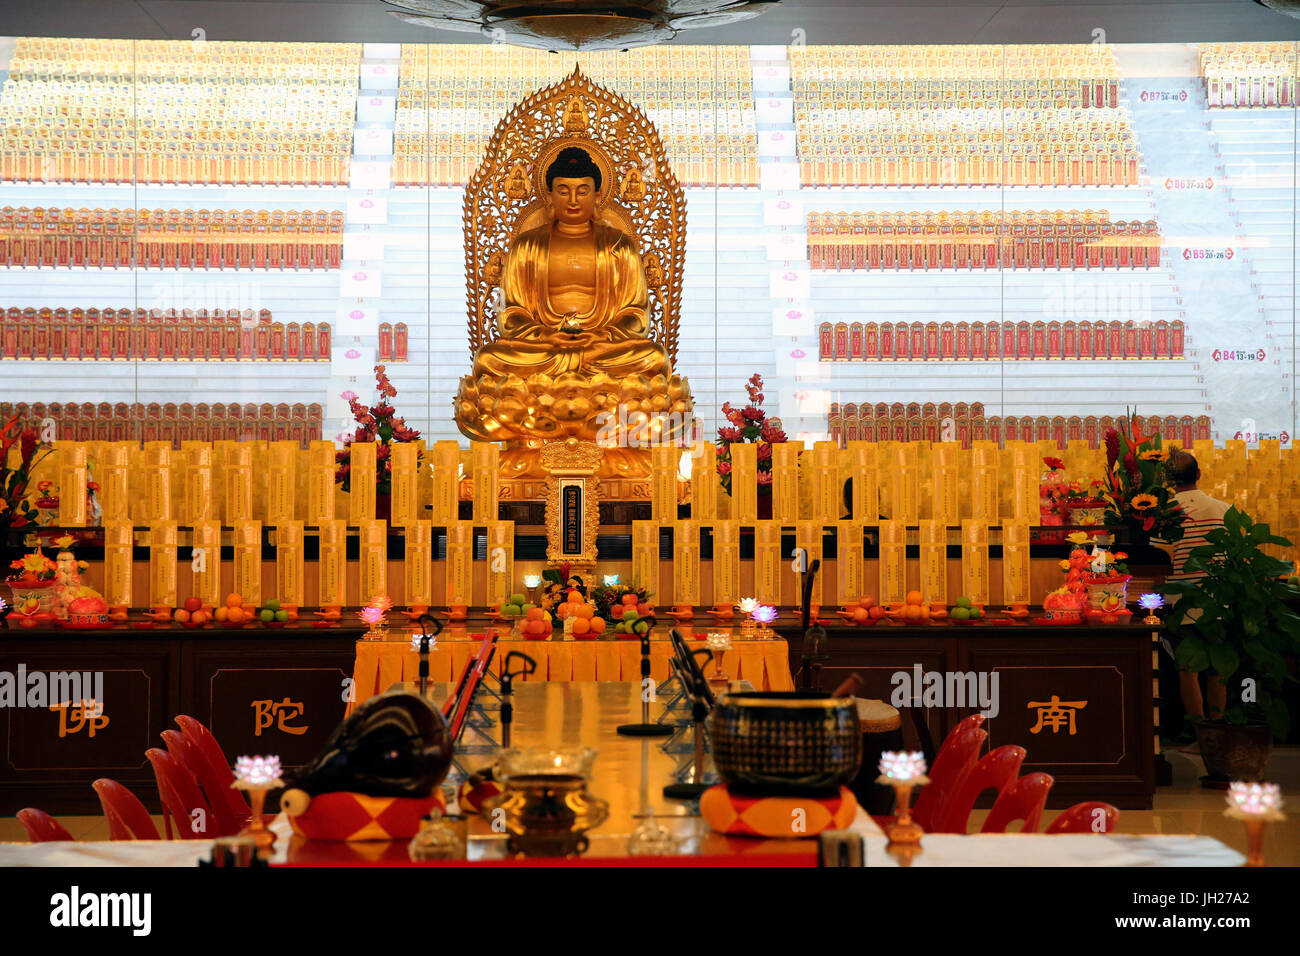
(260, 690)
(629, 774)
(1099, 740)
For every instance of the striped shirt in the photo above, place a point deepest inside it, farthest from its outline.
(1204, 514)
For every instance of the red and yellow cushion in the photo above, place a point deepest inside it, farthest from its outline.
(355, 816)
(774, 817)
(473, 793)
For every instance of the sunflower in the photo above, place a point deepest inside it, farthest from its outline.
(1144, 502)
(1154, 454)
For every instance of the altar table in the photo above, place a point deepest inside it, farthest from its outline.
(381, 664)
(629, 774)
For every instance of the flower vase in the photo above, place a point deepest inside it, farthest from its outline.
(1052, 488)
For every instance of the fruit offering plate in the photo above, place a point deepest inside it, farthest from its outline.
(76, 625)
(850, 619)
(1094, 616)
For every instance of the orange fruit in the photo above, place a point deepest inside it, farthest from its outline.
(581, 625)
(861, 615)
(585, 612)
(181, 615)
(912, 611)
(629, 599)
(535, 613)
(199, 617)
(221, 614)
(535, 627)
(596, 625)
(876, 612)
(234, 600)
(925, 613)
(867, 601)
(235, 615)
(574, 598)
(915, 597)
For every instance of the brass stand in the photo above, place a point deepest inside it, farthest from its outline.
(572, 496)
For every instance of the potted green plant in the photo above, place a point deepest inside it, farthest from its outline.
(1242, 629)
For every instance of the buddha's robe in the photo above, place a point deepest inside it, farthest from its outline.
(531, 340)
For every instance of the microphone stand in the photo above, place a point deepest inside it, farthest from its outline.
(425, 638)
(646, 728)
(813, 654)
(699, 689)
(527, 666)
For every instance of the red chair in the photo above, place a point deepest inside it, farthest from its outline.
(41, 827)
(180, 797)
(997, 769)
(1081, 818)
(127, 817)
(1023, 800)
(189, 757)
(956, 755)
(219, 767)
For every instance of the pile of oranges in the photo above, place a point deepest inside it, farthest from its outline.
(914, 608)
(537, 624)
(585, 622)
(234, 612)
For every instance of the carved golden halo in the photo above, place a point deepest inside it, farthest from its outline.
(539, 210)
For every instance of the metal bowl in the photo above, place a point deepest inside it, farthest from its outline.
(786, 743)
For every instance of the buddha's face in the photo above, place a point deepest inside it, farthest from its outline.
(574, 200)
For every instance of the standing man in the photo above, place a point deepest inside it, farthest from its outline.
(1203, 515)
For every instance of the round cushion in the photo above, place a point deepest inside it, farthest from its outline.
(775, 817)
(355, 816)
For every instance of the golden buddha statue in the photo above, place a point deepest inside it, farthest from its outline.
(574, 290)
(571, 358)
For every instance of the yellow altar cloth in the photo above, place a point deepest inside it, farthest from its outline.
(381, 664)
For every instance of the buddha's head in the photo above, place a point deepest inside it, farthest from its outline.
(573, 182)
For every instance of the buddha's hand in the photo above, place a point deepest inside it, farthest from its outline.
(575, 340)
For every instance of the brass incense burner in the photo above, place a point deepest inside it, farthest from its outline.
(547, 809)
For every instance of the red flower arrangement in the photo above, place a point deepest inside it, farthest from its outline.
(749, 424)
(375, 424)
(1140, 500)
(15, 510)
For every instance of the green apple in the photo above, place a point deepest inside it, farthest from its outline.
(631, 614)
(963, 601)
(526, 607)
(517, 599)
(511, 610)
(641, 627)
(282, 616)
(273, 604)
(976, 614)
(267, 615)
(960, 613)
